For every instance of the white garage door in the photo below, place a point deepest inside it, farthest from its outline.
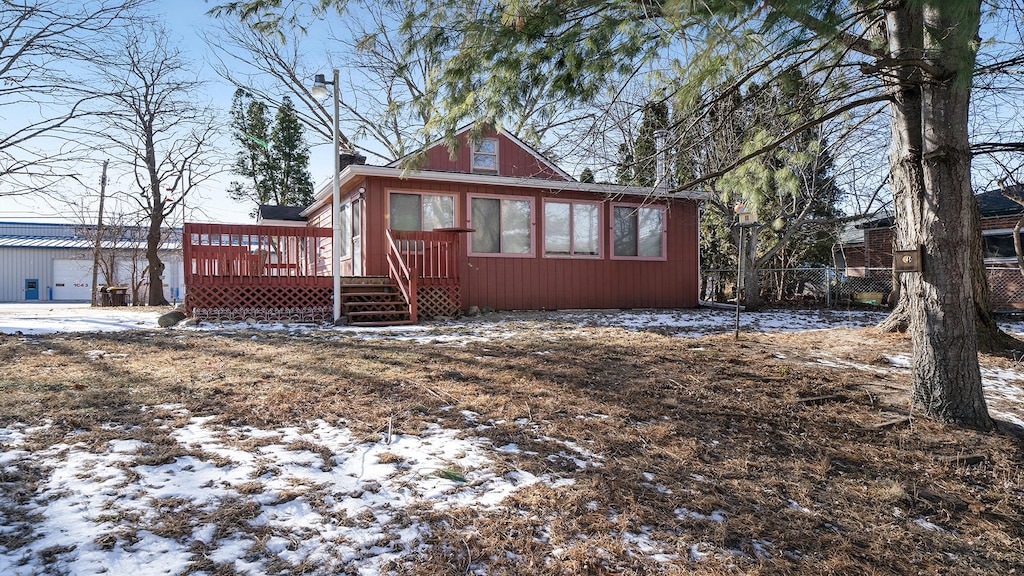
(72, 280)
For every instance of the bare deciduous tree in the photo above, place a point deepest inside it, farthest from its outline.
(153, 117)
(43, 45)
(387, 91)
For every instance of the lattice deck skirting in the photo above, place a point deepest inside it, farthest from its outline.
(291, 303)
(438, 301)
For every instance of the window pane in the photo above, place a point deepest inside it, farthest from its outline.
(486, 219)
(625, 231)
(650, 232)
(483, 161)
(998, 245)
(438, 212)
(515, 226)
(405, 212)
(585, 230)
(346, 230)
(485, 155)
(556, 228)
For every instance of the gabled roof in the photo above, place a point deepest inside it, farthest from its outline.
(465, 129)
(287, 213)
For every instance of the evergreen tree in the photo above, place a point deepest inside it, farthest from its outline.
(638, 160)
(250, 127)
(272, 157)
(791, 187)
(291, 183)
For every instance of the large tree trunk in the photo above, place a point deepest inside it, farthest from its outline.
(156, 223)
(935, 209)
(156, 266)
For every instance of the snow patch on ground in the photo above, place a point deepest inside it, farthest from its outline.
(309, 494)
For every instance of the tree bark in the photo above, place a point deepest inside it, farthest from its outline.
(156, 223)
(935, 210)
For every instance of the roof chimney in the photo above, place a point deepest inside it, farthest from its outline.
(349, 158)
(661, 171)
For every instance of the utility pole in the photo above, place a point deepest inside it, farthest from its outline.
(99, 233)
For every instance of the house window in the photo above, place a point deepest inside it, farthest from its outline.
(572, 229)
(638, 232)
(410, 211)
(345, 222)
(502, 226)
(997, 246)
(485, 155)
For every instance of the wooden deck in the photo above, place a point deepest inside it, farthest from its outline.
(234, 272)
(279, 272)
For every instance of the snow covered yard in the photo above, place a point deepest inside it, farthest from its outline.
(540, 443)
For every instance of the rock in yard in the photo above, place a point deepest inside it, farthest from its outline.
(171, 318)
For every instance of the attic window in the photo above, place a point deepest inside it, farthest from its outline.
(485, 155)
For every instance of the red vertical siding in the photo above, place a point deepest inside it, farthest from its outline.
(551, 283)
(513, 160)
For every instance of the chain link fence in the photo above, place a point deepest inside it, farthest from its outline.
(827, 286)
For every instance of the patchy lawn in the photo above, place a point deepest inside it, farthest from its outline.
(569, 443)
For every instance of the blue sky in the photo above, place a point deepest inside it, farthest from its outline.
(185, 20)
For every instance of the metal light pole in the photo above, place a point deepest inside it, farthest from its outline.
(319, 91)
(99, 234)
(745, 218)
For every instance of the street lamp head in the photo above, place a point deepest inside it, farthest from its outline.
(319, 89)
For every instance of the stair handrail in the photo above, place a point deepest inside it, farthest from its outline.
(404, 277)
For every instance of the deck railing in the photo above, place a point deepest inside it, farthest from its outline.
(231, 254)
(423, 259)
(402, 274)
(434, 254)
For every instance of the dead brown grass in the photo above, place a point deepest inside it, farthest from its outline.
(787, 450)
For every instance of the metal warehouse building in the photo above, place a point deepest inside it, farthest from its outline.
(53, 262)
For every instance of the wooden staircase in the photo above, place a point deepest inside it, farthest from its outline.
(373, 301)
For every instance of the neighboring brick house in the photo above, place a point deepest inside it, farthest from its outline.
(868, 249)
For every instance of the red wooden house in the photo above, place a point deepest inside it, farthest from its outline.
(498, 226)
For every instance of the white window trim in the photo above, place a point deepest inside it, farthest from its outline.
(664, 232)
(572, 254)
(473, 154)
(533, 226)
(390, 191)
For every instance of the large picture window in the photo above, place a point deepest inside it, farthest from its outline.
(502, 226)
(572, 229)
(638, 232)
(421, 212)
